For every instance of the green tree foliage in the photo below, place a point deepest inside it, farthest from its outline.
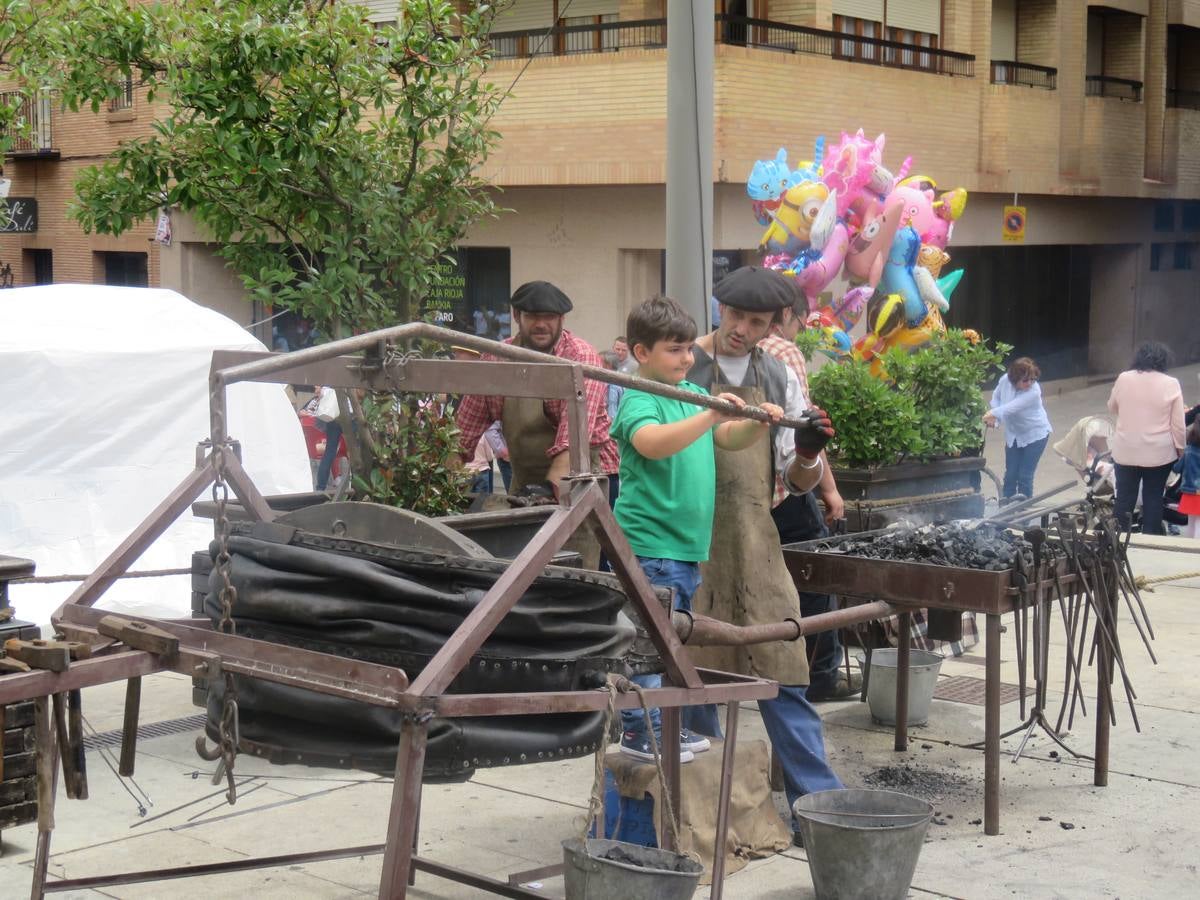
(332, 162)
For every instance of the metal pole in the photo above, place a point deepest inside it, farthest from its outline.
(690, 38)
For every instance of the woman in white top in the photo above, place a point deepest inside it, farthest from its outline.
(1017, 405)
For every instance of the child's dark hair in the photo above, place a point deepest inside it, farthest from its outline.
(659, 319)
(1193, 433)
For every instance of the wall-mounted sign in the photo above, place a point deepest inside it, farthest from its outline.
(1012, 229)
(20, 216)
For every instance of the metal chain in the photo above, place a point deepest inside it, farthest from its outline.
(229, 736)
(220, 495)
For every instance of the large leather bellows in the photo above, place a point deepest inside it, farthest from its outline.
(397, 607)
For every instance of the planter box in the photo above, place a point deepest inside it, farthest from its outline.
(875, 498)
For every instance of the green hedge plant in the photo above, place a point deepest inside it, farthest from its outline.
(930, 405)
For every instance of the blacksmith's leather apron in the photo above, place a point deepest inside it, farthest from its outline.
(529, 434)
(745, 581)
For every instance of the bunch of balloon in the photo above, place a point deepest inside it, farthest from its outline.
(843, 224)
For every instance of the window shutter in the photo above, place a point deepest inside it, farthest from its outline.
(591, 8)
(527, 14)
(382, 10)
(915, 15)
(871, 10)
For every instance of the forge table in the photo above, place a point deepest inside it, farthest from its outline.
(914, 585)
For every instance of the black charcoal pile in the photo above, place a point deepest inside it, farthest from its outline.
(967, 544)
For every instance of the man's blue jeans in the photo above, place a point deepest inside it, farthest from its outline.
(683, 578)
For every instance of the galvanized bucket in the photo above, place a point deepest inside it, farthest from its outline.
(862, 845)
(923, 668)
(650, 874)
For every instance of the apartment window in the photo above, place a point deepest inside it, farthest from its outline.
(1160, 257)
(125, 269)
(41, 264)
(1191, 215)
(859, 28)
(915, 23)
(1114, 54)
(1164, 215)
(1185, 252)
(124, 98)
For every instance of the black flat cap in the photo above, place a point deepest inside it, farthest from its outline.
(756, 290)
(540, 297)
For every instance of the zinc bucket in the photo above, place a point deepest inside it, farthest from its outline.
(862, 845)
(636, 873)
(923, 668)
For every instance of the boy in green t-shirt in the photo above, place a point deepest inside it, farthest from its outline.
(668, 478)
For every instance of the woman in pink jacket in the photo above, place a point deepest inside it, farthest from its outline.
(1148, 404)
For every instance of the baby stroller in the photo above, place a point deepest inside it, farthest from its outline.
(1085, 448)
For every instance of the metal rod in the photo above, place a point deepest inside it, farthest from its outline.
(673, 787)
(218, 868)
(406, 798)
(280, 363)
(704, 631)
(991, 739)
(727, 762)
(129, 726)
(903, 656)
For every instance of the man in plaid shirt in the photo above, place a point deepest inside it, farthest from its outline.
(798, 518)
(536, 430)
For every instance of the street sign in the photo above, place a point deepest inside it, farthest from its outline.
(1012, 229)
(21, 217)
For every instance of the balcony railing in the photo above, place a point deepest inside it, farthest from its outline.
(1120, 88)
(602, 37)
(32, 132)
(1024, 74)
(736, 30)
(1182, 99)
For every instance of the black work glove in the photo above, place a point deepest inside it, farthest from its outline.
(814, 434)
(538, 494)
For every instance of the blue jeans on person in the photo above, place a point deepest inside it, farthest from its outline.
(333, 439)
(1019, 465)
(482, 484)
(683, 578)
(798, 518)
(798, 742)
(1153, 481)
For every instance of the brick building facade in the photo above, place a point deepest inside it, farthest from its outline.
(1089, 115)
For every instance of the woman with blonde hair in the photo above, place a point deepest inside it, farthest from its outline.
(1017, 405)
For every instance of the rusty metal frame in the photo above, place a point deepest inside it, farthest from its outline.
(583, 504)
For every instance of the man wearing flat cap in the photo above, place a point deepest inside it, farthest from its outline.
(536, 430)
(745, 581)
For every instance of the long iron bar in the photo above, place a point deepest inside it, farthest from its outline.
(280, 363)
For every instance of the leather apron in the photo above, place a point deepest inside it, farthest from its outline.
(529, 434)
(745, 581)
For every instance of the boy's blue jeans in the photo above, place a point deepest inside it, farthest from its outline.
(683, 578)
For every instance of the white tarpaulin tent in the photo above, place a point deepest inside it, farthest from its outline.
(105, 398)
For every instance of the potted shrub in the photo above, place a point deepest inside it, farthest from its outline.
(910, 443)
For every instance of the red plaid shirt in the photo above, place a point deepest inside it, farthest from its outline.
(477, 412)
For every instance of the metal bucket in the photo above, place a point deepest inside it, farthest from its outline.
(588, 877)
(862, 845)
(923, 668)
